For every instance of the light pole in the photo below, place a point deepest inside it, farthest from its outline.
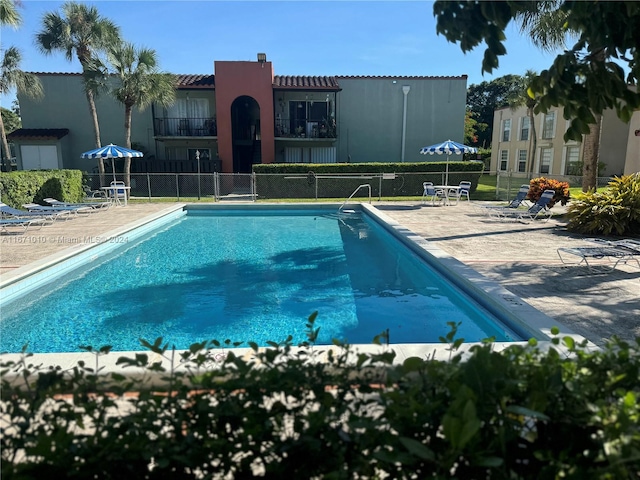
(198, 160)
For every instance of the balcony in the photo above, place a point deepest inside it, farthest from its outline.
(185, 127)
(305, 128)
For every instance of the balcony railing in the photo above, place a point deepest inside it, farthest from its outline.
(185, 127)
(305, 128)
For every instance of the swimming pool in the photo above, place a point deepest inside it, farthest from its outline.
(252, 275)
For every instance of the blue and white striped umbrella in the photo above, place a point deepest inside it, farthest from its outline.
(111, 151)
(448, 148)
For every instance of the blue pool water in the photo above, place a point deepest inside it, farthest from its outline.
(247, 276)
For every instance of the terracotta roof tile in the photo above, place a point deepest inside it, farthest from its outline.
(38, 133)
(305, 82)
(391, 77)
(196, 81)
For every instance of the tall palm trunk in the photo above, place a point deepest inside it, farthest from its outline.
(533, 140)
(127, 143)
(591, 152)
(96, 130)
(5, 147)
(591, 155)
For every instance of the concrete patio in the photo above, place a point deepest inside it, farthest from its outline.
(522, 257)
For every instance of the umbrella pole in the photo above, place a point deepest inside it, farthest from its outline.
(113, 166)
(446, 172)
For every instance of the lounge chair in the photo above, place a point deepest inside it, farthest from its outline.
(24, 223)
(93, 205)
(34, 207)
(519, 199)
(537, 210)
(430, 192)
(16, 213)
(620, 251)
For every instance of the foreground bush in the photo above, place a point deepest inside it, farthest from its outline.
(524, 413)
(615, 211)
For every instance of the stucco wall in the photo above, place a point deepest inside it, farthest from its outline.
(370, 115)
(65, 106)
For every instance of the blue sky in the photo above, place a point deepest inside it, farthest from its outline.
(396, 38)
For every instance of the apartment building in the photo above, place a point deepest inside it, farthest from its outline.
(243, 114)
(513, 145)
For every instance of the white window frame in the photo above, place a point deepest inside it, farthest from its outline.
(505, 131)
(520, 161)
(522, 122)
(566, 163)
(540, 158)
(503, 157)
(553, 127)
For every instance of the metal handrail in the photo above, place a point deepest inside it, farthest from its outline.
(354, 192)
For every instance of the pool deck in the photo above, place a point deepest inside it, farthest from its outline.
(521, 257)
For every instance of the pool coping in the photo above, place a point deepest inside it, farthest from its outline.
(500, 299)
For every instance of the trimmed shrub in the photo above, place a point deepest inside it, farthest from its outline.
(525, 413)
(27, 186)
(538, 185)
(615, 211)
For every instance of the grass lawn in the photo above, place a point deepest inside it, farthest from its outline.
(486, 191)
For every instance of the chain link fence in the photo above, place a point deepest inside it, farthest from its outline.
(251, 186)
(508, 183)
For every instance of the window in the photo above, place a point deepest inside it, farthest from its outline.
(524, 128)
(305, 118)
(549, 126)
(545, 160)
(522, 160)
(504, 159)
(506, 130)
(572, 161)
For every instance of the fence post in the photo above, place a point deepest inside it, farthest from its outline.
(315, 179)
(149, 185)
(177, 187)
(254, 192)
(216, 185)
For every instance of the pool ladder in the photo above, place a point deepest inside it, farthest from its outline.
(341, 209)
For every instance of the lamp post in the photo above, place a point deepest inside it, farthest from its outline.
(198, 160)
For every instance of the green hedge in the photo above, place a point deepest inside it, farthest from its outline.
(27, 186)
(521, 413)
(276, 185)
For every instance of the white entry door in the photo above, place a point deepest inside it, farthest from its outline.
(39, 157)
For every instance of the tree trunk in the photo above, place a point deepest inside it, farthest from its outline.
(5, 147)
(127, 144)
(533, 140)
(96, 130)
(590, 156)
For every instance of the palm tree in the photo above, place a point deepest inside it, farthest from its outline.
(526, 98)
(10, 74)
(546, 26)
(139, 85)
(79, 29)
(9, 14)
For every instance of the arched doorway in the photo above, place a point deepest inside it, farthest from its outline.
(245, 133)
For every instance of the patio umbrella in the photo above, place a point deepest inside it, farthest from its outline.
(449, 147)
(111, 151)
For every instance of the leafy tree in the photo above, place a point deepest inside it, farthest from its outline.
(483, 99)
(472, 128)
(10, 120)
(10, 74)
(585, 79)
(139, 85)
(79, 29)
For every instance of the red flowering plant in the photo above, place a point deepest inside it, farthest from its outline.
(540, 184)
